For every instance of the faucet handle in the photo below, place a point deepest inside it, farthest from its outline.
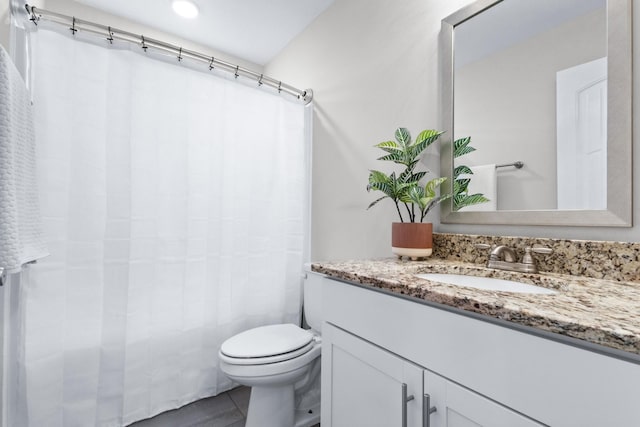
(540, 250)
(483, 246)
(527, 258)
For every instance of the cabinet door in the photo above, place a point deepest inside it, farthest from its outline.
(457, 406)
(366, 386)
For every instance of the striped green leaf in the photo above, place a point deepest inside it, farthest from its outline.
(460, 170)
(403, 137)
(424, 139)
(389, 147)
(430, 188)
(460, 185)
(468, 200)
(394, 157)
(375, 202)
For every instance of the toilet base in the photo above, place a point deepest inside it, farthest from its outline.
(271, 406)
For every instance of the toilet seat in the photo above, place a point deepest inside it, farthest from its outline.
(267, 344)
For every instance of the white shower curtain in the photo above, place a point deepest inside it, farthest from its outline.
(174, 207)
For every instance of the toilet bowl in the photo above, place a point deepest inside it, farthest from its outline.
(281, 364)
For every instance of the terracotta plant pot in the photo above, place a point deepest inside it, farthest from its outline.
(412, 239)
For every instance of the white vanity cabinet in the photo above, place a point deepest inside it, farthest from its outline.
(476, 373)
(366, 386)
(456, 406)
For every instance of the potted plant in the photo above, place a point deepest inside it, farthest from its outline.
(410, 237)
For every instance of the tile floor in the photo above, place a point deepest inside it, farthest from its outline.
(225, 410)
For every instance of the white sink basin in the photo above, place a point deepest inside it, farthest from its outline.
(486, 283)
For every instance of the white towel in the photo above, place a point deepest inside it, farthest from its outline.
(21, 239)
(484, 180)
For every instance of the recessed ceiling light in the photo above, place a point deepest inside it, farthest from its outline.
(185, 8)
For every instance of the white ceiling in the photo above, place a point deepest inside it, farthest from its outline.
(254, 30)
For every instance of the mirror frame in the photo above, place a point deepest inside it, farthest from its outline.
(619, 130)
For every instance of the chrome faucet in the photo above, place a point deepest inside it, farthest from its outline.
(505, 258)
(502, 253)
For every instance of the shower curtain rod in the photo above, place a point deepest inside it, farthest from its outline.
(111, 34)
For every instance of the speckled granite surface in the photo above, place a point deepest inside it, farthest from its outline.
(618, 261)
(603, 312)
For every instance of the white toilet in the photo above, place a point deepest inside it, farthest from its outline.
(281, 364)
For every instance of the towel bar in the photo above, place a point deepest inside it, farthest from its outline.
(517, 165)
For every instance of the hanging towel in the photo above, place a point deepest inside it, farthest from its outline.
(484, 180)
(21, 239)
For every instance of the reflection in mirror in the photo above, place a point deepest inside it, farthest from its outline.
(530, 81)
(508, 62)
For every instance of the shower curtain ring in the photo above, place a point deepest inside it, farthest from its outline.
(236, 73)
(180, 55)
(279, 87)
(34, 18)
(211, 67)
(110, 38)
(144, 46)
(73, 26)
(260, 80)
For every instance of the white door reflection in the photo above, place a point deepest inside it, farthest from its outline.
(582, 136)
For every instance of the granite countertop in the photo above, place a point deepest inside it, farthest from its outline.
(601, 312)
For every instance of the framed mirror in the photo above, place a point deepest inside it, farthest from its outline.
(546, 86)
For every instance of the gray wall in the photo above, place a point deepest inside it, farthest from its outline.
(373, 65)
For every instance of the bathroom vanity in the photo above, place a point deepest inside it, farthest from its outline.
(404, 351)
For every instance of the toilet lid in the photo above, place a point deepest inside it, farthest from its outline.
(266, 341)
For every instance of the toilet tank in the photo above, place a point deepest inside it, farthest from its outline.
(312, 297)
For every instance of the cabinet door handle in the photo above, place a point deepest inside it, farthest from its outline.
(427, 410)
(405, 400)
